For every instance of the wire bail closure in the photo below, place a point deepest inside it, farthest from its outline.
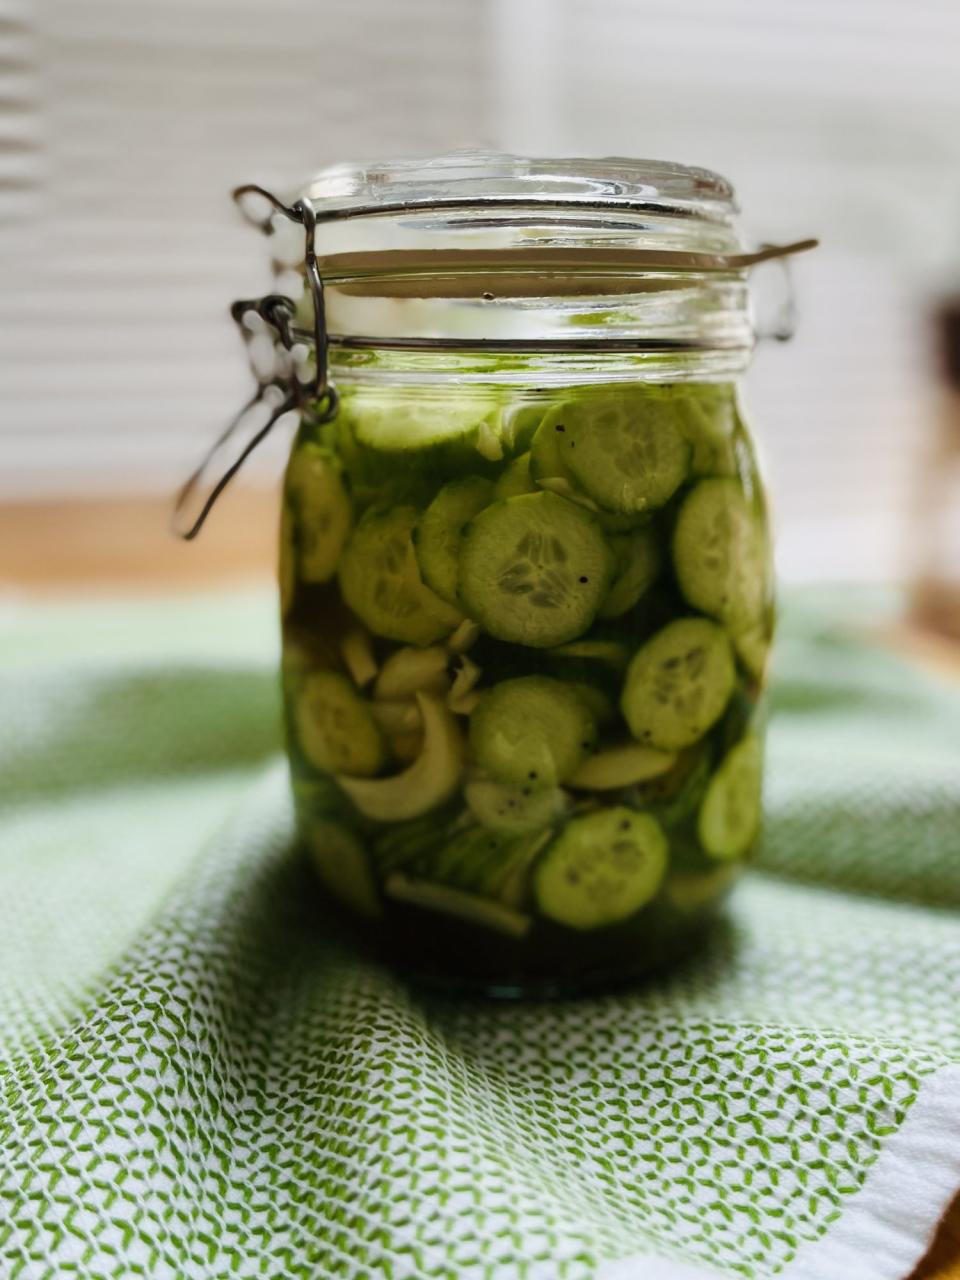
(282, 386)
(286, 385)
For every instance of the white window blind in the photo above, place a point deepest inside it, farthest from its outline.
(118, 359)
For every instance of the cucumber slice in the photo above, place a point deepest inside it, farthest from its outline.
(520, 422)
(335, 727)
(466, 860)
(401, 844)
(673, 796)
(621, 766)
(461, 698)
(397, 717)
(432, 778)
(678, 684)
(481, 860)
(602, 868)
(546, 454)
(752, 648)
(533, 570)
(410, 671)
(625, 451)
(465, 636)
(637, 560)
(532, 731)
(730, 814)
(464, 704)
(395, 426)
(341, 864)
(719, 554)
(437, 535)
(707, 416)
(357, 653)
(547, 467)
(380, 580)
(515, 479)
(314, 485)
(500, 806)
(614, 653)
(287, 568)
(454, 902)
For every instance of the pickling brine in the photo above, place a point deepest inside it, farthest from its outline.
(525, 633)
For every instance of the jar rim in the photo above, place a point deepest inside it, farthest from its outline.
(477, 177)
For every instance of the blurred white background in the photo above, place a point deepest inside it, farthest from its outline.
(124, 124)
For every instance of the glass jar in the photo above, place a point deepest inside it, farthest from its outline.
(526, 575)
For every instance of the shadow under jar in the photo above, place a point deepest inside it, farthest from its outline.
(526, 572)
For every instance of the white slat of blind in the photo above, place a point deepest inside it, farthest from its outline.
(21, 164)
(836, 120)
(118, 359)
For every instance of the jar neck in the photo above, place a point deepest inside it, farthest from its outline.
(534, 276)
(536, 368)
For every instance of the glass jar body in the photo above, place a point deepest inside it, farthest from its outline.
(526, 612)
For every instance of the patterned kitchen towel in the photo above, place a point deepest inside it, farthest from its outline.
(200, 1077)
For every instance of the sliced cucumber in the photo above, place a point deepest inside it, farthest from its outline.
(464, 704)
(512, 883)
(465, 637)
(602, 868)
(341, 864)
(519, 424)
(673, 796)
(398, 426)
(380, 580)
(432, 778)
(625, 451)
(730, 814)
(614, 653)
(437, 535)
(515, 479)
(481, 860)
(548, 467)
(357, 653)
(462, 699)
(314, 485)
(454, 902)
(707, 416)
(621, 766)
(678, 684)
(468, 858)
(533, 570)
(719, 554)
(335, 726)
(532, 731)
(637, 559)
(752, 648)
(410, 671)
(403, 844)
(397, 717)
(501, 806)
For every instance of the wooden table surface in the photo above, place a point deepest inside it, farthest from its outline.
(84, 545)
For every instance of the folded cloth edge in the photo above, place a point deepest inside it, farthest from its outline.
(886, 1226)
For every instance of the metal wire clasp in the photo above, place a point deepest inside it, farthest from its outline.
(280, 367)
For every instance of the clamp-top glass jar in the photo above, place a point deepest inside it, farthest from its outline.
(526, 573)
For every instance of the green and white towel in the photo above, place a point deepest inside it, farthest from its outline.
(198, 1080)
